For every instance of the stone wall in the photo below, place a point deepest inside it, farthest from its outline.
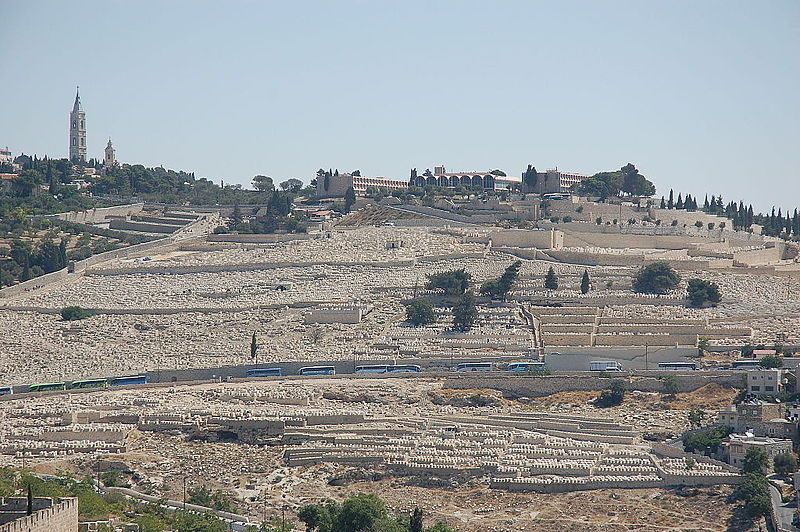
(758, 257)
(260, 239)
(549, 384)
(521, 238)
(120, 223)
(34, 284)
(98, 215)
(61, 517)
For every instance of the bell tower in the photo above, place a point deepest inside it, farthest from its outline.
(77, 131)
(110, 159)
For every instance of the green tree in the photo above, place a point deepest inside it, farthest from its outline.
(613, 396)
(349, 199)
(550, 280)
(292, 185)
(419, 311)
(499, 288)
(755, 461)
(73, 313)
(263, 183)
(465, 313)
(585, 282)
(319, 517)
(784, 464)
(656, 278)
(360, 513)
(439, 527)
(754, 491)
(706, 440)
(696, 417)
(253, 347)
(416, 524)
(453, 282)
(771, 361)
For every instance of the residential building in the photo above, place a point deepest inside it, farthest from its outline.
(766, 381)
(758, 417)
(339, 183)
(737, 446)
(5, 156)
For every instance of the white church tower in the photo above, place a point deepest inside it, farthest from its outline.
(77, 131)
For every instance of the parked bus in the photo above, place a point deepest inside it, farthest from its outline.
(404, 368)
(678, 365)
(129, 380)
(265, 372)
(87, 383)
(47, 387)
(474, 366)
(372, 369)
(605, 365)
(6, 390)
(317, 370)
(746, 363)
(539, 367)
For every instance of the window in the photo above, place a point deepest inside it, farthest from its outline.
(83, 124)
(755, 388)
(74, 124)
(74, 141)
(769, 388)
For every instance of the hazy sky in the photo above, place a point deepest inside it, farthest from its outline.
(702, 96)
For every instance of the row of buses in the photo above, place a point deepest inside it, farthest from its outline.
(80, 384)
(522, 366)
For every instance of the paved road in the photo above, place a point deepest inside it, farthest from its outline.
(783, 512)
(577, 359)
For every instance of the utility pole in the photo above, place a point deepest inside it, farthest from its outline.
(184, 493)
(283, 518)
(646, 367)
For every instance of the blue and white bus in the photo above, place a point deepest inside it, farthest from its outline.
(678, 365)
(265, 372)
(6, 390)
(539, 367)
(373, 369)
(129, 380)
(317, 370)
(404, 368)
(474, 366)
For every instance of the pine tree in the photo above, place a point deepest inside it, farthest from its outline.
(551, 281)
(585, 282)
(465, 313)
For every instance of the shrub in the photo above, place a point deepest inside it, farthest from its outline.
(671, 385)
(771, 361)
(465, 313)
(567, 219)
(700, 292)
(453, 282)
(599, 220)
(73, 313)
(707, 440)
(656, 278)
(419, 311)
(613, 396)
(554, 219)
(550, 280)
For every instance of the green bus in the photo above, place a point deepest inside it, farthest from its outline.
(47, 387)
(87, 383)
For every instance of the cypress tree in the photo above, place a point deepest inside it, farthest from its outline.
(705, 204)
(679, 205)
(416, 524)
(585, 282)
(663, 203)
(670, 201)
(551, 281)
(253, 347)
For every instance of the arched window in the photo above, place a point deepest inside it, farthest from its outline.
(74, 141)
(83, 124)
(74, 124)
(83, 142)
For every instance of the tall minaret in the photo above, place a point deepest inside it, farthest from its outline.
(77, 131)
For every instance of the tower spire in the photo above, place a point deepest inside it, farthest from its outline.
(77, 130)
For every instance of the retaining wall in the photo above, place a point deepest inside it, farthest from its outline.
(550, 384)
(259, 239)
(34, 284)
(98, 215)
(119, 223)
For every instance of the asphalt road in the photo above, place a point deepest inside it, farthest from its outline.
(577, 359)
(783, 512)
